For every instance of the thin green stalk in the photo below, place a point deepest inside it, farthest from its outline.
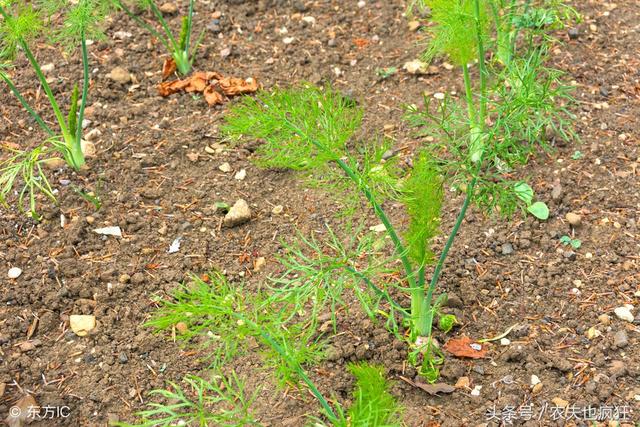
(482, 67)
(164, 24)
(77, 155)
(426, 317)
(314, 390)
(378, 291)
(189, 27)
(469, 93)
(25, 104)
(443, 256)
(369, 196)
(417, 292)
(46, 88)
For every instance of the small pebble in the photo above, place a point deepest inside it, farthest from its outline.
(225, 167)
(240, 175)
(623, 313)
(182, 327)
(238, 214)
(573, 219)
(168, 8)
(505, 341)
(507, 249)
(604, 319)
(621, 339)
(225, 53)
(82, 324)
(14, 273)
(277, 210)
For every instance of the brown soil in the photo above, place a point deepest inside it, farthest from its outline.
(159, 183)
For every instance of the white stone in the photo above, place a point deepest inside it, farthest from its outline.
(378, 228)
(14, 273)
(81, 324)
(623, 313)
(240, 175)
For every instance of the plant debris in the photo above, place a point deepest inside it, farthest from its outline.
(214, 86)
(432, 389)
(465, 347)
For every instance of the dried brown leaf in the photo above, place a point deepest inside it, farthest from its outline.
(169, 88)
(212, 96)
(465, 347)
(232, 86)
(211, 84)
(168, 68)
(432, 389)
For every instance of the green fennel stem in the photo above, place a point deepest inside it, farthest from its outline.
(426, 321)
(77, 156)
(428, 326)
(47, 90)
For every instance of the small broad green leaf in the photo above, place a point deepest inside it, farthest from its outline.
(576, 243)
(447, 322)
(524, 192)
(222, 206)
(539, 210)
(565, 240)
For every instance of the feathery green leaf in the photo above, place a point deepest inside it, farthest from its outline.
(303, 128)
(453, 33)
(423, 193)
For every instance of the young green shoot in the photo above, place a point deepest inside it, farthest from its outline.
(228, 316)
(373, 405)
(219, 401)
(22, 22)
(181, 47)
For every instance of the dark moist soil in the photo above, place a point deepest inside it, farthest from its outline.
(157, 170)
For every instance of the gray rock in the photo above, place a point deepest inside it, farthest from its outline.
(507, 249)
(621, 339)
(573, 33)
(238, 214)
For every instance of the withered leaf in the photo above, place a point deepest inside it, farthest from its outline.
(432, 389)
(211, 84)
(212, 96)
(465, 347)
(169, 88)
(232, 86)
(168, 68)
